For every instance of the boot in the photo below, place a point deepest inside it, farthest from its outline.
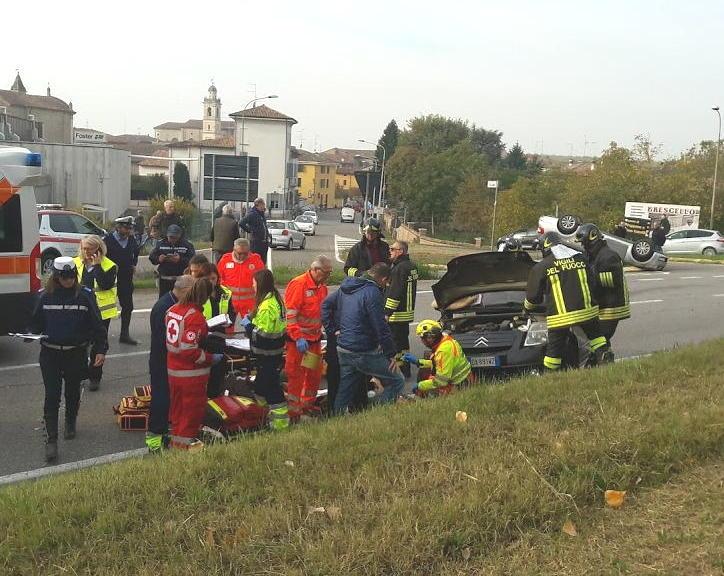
(69, 432)
(51, 431)
(93, 384)
(51, 451)
(125, 338)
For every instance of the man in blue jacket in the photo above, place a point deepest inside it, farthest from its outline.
(255, 225)
(356, 313)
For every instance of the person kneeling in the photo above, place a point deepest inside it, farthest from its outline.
(448, 366)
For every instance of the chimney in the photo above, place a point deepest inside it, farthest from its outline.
(48, 91)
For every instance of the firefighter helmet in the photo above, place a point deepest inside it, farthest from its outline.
(428, 328)
(549, 240)
(589, 236)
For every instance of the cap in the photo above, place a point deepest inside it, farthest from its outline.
(125, 221)
(64, 266)
(174, 230)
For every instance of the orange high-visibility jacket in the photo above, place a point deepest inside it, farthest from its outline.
(303, 300)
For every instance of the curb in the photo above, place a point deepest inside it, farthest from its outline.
(695, 260)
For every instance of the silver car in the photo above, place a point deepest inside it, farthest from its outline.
(285, 234)
(306, 224)
(707, 242)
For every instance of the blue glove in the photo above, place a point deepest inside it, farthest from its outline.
(245, 321)
(302, 345)
(411, 358)
(216, 358)
(414, 389)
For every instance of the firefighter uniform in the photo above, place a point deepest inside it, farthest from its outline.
(400, 304)
(562, 277)
(611, 290)
(102, 279)
(188, 369)
(303, 300)
(219, 303)
(448, 365)
(238, 277)
(267, 332)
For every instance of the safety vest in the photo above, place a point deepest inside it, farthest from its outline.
(223, 303)
(449, 365)
(267, 336)
(106, 298)
(303, 299)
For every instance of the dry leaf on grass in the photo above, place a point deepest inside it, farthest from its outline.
(315, 510)
(614, 498)
(210, 539)
(466, 554)
(461, 416)
(289, 463)
(569, 528)
(334, 513)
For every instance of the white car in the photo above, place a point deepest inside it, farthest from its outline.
(60, 234)
(306, 224)
(286, 234)
(347, 214)
(707, 242)
(313, 214)
(639, 253)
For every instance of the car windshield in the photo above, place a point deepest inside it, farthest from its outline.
(272, 225)
(303, 218)
(504, 299)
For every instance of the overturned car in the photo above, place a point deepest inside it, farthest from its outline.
(480, 299)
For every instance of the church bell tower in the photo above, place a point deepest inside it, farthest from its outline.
(211, 127)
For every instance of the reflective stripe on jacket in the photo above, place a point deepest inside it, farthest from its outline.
(268, 327)
(611, 290)
(186, 329)
(402, 291)
(449, 365)
(238, 277)
(303, 300)
(223, 303)
(106, 298)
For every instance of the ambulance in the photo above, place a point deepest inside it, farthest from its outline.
(20, 276)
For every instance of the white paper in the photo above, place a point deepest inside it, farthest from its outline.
(27, 336)
(220, 320)
(239, 343)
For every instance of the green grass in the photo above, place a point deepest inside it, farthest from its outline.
(696, 257)
(416, 491)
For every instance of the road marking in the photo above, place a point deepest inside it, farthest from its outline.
(718, 295)
(647, 302)
(648, 279)
(424, 291)
(35, 365)
(141, 311)
(691, 277)
(719, 276)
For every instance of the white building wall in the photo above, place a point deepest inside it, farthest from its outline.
(196, 168)
(152, 170)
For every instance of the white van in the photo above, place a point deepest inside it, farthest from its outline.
(20, 278)
(347, 214)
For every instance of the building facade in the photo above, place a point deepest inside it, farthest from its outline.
(348, 161)
(210, 127)
(316, 180)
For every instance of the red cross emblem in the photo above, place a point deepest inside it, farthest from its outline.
(172, 331)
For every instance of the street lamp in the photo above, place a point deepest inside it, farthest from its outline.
(716, 166)
(243, 151)
(382, 175)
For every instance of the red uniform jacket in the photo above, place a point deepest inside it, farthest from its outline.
(237, 277)
(188, 363)
(303, 300)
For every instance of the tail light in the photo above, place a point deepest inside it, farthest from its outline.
(35, 269)
(285, 232)
(720, 239)
(540, 230)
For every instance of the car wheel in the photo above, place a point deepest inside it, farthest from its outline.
(46, 263)
(642, 250)
(709, 251)
(568, 224)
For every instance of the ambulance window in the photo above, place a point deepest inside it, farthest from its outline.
(11, 228)
(62, 223)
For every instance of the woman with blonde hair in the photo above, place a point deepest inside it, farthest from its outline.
(97, 272)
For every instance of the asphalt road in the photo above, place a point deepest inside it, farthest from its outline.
(682, 305)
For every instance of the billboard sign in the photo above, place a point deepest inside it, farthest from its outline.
(225, 177)
(81, 136)
(640, 216)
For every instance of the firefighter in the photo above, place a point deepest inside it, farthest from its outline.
(303, 300)
(563, 278)
(266, 328)
(236, 270)
(172, 256)
(188, 364)
(400, 299)
(611, 291)
(123, 249)
(448, 366)
(370, 250)
(99, 273)
(67, 313)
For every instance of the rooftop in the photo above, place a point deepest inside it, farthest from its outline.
(192, 124)
(262, 112)
(18, 96)
(223, 142)
(156, 163)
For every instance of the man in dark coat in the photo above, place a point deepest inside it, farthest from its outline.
(658, 236)
(255, 224)
(172, 256)
(123, 250)
(370, 250)
(224, 232)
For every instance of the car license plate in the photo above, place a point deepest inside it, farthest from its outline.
(484, 361)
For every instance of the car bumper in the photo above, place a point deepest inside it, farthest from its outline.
(506, 362)
(279, 243)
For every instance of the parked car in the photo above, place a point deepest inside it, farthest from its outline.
(306, 224)
(313, 214)
(60, 234)
(639, 253)
(480, 299)
(347, 214)
(707, 242)
(285, 234)
(528, 238)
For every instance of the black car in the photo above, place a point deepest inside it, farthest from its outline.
(480, 299)
(528, 238)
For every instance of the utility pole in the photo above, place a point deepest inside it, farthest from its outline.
(716, 166)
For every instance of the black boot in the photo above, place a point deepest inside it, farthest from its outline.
(51, 451)
(93, 384)
(51, 431)
(125, 338)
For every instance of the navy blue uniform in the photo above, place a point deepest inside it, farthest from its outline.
(255, 225)
(160, 397)
(105, 280)
(169, 271)
(126, 260)
(71, 320)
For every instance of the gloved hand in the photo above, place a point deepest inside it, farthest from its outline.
(411, 358)
(245, 321)
(414, 389)
(302, 345)
(216, 358)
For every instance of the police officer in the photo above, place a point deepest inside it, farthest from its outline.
(400, 296)
(611, 291)
(123, 250)
(562, 277)
(67, 313)
(172, 255)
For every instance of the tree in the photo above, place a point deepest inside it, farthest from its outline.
(388, 140)
(488, 143)
(515, 159)
(182, 182)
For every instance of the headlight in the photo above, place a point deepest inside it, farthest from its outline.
(537, 334)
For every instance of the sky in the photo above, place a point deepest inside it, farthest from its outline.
(559, 77)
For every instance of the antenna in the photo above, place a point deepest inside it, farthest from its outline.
(252, 87)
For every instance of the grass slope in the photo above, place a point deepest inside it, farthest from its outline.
(406, 489)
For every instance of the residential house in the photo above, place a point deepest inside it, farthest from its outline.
(316, 178)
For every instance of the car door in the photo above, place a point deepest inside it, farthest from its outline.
(297, 234)
(698, 239)
(675, 242)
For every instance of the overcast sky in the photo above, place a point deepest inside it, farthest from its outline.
(549, 74)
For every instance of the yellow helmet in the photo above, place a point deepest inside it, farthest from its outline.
(426, 327)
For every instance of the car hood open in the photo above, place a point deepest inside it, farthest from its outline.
(482, 272)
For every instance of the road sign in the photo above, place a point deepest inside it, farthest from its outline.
(225, 177)
(493, 184)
